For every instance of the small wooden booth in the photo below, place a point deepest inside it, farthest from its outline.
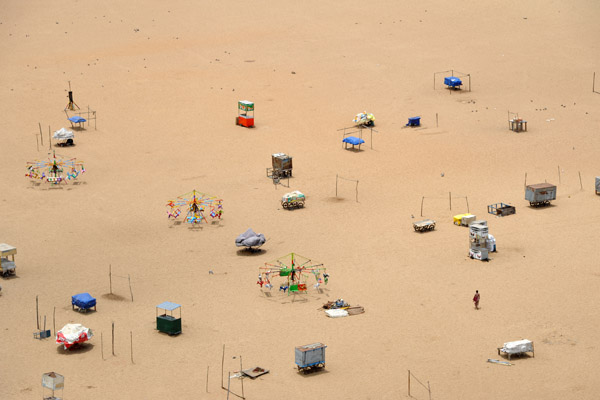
(52, 381)
(167, 323)
(281, 166)
(245, 114)
(7, 267)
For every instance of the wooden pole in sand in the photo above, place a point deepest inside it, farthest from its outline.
(594, 84)
(525, 180)
(49, 139)
(242, 377)
(37, 317)
(37, 142)
(41, 134)
(110, 277)
(222, 364)
(113, 338)
(131, 341)
(130, 291)
(467, 199)
(422, 200)
(450, 198)
(429, 390)
(336, 180)
(559, 174)
(409, 383)
(54, 320)
(207, 368)
(102, 346)
(357, 191)
(436, 120)
(228, 383)
(580, 183)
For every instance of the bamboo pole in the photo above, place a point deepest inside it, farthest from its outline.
(559, 174)
(525, 180)
(450, 199)
(336, 185)
(207, 368)
(222, 364)
(131, 337)
(580, 182)
(54, 320)
(228, 383)
(409, 383)
(429, 390)
(37, 315)
(49, 141)
(110, 277)
(113, 338)
(130, 291)
(242, 378)
(41, 134)
(467, 199)
(436, 120)
(357, 191)
(422, 200)
(102, 346)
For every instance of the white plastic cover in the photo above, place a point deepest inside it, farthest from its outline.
(336, 313)
(293, 196)
(62, 133)
(519, 346)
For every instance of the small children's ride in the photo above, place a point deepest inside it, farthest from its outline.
(424, 226)
(295, 199)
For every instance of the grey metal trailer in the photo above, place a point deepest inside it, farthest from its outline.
(310, 356)
(540, 194)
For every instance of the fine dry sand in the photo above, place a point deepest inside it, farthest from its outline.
(165, 78)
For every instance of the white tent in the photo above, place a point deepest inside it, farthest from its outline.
(63, 134)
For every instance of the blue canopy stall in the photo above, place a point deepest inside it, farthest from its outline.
(353, 140)
(414, 121)
(83, 302)
(77, 120)
(452, 82)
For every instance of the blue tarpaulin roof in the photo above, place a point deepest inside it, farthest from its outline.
(452, 81)
(83, 300)
(77, 119)
(353, 140)
(167, 305)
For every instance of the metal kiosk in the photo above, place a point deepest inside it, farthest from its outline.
(167, 323)
(7, 267)
(245, 114)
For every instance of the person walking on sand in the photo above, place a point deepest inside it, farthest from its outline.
(476, 299)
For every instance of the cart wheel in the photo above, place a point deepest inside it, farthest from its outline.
(301, 204)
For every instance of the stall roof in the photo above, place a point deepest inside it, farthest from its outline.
(7, 249)
(169, 306)
(77, 119)
(353, 140)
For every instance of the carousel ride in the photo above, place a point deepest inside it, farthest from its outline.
(197, 206)
(55, 170)
(296, 272)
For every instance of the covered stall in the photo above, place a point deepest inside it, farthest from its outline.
(167, 323)
(452, 82)
(245, 114)
(310, 356)
(83, 301)
(414, 121)
(354, 141)
(80, 121)
(52, 381)
(250, 240)
(73, 334)
(64, 137)
(7, 266)
(517, 348)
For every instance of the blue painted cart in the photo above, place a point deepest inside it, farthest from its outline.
(310, 356)
(414, 121)
(83, 301)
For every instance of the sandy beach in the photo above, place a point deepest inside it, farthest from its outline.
(165, 79)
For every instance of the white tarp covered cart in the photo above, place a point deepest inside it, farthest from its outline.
(517, 347)
(64, 137)
(73, 334)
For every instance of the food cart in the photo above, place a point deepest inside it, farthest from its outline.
(424, 226)
(540, 194)
(281, 166)
(7, 267)
(245, 114)
(310, 356)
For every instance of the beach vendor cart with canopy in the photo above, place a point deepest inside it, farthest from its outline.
(83, 301)
(245, 114)
(73, 334)
(52, 381)
(7, 266)
(167, 323)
